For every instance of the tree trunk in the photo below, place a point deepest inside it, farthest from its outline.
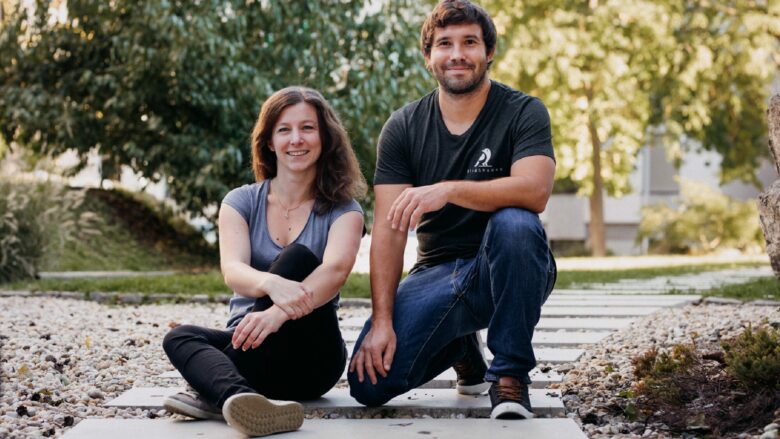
(769, 200)
(596, 232)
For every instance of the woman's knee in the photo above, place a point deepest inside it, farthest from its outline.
(295, 262)
(176, 336)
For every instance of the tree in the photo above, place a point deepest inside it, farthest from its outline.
(172, 88)
(612, 73)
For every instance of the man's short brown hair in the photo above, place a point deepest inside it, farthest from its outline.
(449, 12)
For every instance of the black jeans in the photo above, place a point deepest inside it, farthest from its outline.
(301, 361)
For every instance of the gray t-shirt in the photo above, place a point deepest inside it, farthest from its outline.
(251, 201)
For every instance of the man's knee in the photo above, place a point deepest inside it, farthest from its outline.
(512, 223)
(371, 395)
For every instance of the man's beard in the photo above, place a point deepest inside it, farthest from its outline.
(460, 87)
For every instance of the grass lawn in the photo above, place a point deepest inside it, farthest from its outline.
(131, 232)
(761, 288)
(358, 284)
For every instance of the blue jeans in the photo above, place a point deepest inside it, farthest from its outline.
(436, 308)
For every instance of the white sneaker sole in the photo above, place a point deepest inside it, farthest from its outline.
(510, 410)
(180, 408)
(255, 415)
(474, 389)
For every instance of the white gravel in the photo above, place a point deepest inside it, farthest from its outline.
(63, 358)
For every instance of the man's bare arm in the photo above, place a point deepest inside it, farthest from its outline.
(528, 186)
(387, 253)
(387, 256)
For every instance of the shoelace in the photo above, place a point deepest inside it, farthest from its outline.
(509, 392)
(465, 368)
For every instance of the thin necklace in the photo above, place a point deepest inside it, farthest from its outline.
(287, 210)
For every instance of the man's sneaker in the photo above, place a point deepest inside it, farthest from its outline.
(471, 369)
(191, 404)
(255, 415)
(510, 401)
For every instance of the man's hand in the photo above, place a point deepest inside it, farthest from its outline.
(409, 207)
(256, 326)
(292, 297)
(375, 353)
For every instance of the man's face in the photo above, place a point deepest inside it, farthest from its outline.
(458, 58)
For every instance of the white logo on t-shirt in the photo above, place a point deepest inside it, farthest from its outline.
(482, 162)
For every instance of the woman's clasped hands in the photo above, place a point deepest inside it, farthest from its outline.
(292, 300)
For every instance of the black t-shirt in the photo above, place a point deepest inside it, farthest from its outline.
(416, 148)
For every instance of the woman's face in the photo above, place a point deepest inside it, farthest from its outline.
(296, 139)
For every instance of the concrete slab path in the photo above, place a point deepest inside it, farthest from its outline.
(445, 380)
(334, 428)
(436, 403)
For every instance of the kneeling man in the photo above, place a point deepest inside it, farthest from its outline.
(470, 166)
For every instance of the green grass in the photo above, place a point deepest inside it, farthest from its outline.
(204, 283)
(133, 232)
(760, 288)
(358, 283)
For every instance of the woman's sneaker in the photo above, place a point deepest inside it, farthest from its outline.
(510, 400)
(191, 404)
(255, 415)
(471, 369)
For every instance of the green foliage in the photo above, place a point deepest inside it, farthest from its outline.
(172, 88)
(657, 365)
(703, 221)
(753, 357)
(618, 75)
(37, 218)
(700, 69)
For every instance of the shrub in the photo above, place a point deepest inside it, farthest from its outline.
(35, 218)
(753, 357)
(703, 221)
(714, 392)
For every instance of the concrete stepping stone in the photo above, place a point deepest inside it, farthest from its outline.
(580, 311)
(616, 292)
(436, 403)
(548, 323)
(446, 380)
(556, 311)
(550, 355)
(567, 338)
(540, 338)
(543, 355)
(618, 300)
(431, 402)
(334, 428)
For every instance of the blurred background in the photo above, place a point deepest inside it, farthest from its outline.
(124, 123)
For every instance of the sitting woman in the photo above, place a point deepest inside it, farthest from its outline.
(287, 244)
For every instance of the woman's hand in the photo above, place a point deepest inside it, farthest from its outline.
(292, 297)
(256, 326)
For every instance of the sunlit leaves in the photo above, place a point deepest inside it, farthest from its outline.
(172, 88)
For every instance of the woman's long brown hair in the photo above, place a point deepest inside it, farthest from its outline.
(338, 177)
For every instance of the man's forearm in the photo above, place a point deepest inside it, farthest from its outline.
(491, 195)
(529, 186)
(387, 258)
